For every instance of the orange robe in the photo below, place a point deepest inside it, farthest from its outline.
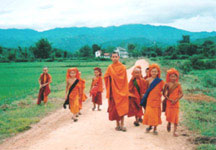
(135, 97)
(96, 91)
(84, 97)
(117, 90)
(74, 97)
(45, 91)
(152, 115)
(172, 110)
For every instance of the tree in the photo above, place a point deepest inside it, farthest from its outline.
(95, 48)
(43, 49)
(85, 51)
(1, 50)
(185, 39)
(65, 54)
(131, 47)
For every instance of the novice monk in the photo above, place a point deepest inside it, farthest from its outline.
(151, 101)
(83, 97)
(97, 89)
(173, 93)
(147, 72)
(73, 93)
(117, 91)
(137, 88)
(44, 81)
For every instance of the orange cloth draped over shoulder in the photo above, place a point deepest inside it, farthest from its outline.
(44, 91)
(172, 110)
(135, 95)
(116, 83)
(152, 115)
(74, 96)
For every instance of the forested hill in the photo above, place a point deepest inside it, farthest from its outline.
(73, 38)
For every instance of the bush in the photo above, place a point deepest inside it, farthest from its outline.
(209, 80)
(186, 67)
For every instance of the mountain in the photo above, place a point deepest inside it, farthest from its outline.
(202, 40)
(73, 38)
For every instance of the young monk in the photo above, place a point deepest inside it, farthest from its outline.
(83, 97)
(44, 81)
(147, 72)
(173, 93)
(117, 91)
(73, 92)
(151, 101)
(137, 88)
(97, 89)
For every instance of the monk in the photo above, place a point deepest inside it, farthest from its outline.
(172, 93)
(97, 89)
(137, 88)
(151, 100)
(84, 97)
(73, 92)
(147, 72)
(116, 83)
(44, 81)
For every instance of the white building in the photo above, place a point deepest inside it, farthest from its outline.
(98, 53)
(122, 52)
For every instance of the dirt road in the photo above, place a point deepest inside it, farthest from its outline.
(94, 131)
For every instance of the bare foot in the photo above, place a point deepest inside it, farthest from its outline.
(175, 135)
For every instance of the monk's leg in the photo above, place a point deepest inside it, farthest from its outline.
(74, 117)
(94, 106)
(99, 108)
(174, 131)
(45, 100)
(168, 126)
(122, 124)
(155, 130)
(148, 129)
(136, 122)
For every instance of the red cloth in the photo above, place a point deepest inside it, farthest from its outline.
(97, 98)
(44, 91)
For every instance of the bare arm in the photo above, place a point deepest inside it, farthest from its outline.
(66, 89)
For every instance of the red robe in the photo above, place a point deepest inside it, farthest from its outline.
(44, 91)
(135, 97)
(96, 91)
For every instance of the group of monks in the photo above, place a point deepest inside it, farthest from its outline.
(124, 98)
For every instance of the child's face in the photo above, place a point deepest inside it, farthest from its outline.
(137, 73)
(97, 73)
(72, 74)
(154, 72)
(45, 70)
(173, 77)
(115, 58)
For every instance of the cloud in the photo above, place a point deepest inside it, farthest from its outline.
(43, 15)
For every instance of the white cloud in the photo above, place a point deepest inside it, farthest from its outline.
(193, 15)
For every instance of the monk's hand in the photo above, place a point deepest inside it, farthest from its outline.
(173, 101)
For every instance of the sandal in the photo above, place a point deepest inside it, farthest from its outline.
(74, 119)
(148, 129)
(123, 129)
(136, 123)
(93, 108)
(99, 109)
(118, 128)
(140, 120)
(155, 132)
(168, 127)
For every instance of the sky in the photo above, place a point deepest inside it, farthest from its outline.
(40, 15)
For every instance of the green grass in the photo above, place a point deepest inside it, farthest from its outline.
(19, 89)
(198, 116)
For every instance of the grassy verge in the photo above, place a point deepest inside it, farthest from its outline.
(198, 104)
(18, 109)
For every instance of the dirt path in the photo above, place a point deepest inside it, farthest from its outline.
(93, 131)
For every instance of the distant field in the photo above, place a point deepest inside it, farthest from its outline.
(20, 79)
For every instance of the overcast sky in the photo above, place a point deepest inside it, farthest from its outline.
(192, 15)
